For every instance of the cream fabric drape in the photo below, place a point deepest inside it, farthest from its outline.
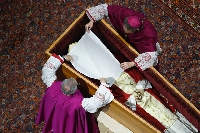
(93, 59)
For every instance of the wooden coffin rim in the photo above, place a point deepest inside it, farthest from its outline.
(152, 68)
(115, 109)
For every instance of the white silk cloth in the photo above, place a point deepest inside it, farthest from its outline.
(93, 59)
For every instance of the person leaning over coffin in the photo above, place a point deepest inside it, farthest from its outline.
(135, 28)
(63, 108)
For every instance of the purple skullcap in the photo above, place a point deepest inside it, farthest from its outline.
(134, 22)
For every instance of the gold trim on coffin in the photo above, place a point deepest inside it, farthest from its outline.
(115, 109)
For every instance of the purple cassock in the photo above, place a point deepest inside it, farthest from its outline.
(145, 39)
(68, 113)
(64, 114)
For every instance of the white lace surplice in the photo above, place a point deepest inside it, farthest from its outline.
(93, 59)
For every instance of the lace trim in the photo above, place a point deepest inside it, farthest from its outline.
(98, 12)
(146, 60)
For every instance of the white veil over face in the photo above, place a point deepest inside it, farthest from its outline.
(93, 59)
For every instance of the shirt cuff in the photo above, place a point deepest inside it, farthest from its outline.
(58, 57)
(104, 84)
(107, 86)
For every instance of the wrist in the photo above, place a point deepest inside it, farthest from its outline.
(132, 63)
(64, 57)
(92, 21)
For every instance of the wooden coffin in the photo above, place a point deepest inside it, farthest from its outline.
(116, 110)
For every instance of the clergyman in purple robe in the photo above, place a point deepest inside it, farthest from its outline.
(63, 108)
(135, 28)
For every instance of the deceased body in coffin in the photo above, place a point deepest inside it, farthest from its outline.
(94, 60)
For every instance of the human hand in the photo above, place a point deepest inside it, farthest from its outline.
(68, 58)
(126, 65)
(103, 80)
(89, 26)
